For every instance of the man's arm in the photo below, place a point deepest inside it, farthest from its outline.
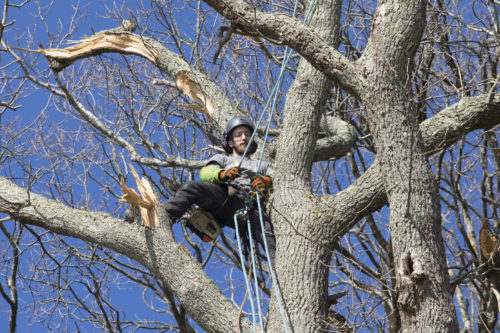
(213, 173)
(210, 174)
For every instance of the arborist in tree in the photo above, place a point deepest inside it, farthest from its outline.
(227, 187)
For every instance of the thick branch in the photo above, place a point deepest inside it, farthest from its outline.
(367, 194)
(194, 84)
(340, 138)
(469, 114)
(364, 196)
(286, 30)
(208, 96)
(157, 250)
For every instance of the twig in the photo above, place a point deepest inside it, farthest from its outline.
(5, 219)
(489, 98)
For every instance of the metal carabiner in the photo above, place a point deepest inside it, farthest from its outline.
(241, 214)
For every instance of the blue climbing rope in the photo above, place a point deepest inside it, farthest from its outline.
(249, 228)
(242, 259)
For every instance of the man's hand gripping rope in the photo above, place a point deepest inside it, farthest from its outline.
(230, 174)
(261, 182)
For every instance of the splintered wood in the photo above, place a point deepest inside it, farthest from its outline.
(192, 89)
(146, 202)
(127, 43)
(489, 246)
(123, 42)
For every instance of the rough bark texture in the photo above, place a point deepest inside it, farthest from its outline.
(293, 33)
(335, 214)
(304, 283)
(307, 224)
(197, 86)
(422, 283)
(156, 250)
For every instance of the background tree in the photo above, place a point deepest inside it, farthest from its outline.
(383, 138)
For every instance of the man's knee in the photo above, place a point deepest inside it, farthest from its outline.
(208, 196)
(192, 185)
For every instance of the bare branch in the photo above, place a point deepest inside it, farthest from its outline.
(156, 250)
(283, 29)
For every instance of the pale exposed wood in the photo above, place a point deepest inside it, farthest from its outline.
(146, 204)
(488, 242)
(128, 43)
(187, 86)
(122, 42)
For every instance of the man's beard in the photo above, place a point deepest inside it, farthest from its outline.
(240, 149)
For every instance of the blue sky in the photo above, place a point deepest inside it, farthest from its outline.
(60, 15)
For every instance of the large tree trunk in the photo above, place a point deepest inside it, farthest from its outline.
(422, 282)
(302, 250)
(305, 224)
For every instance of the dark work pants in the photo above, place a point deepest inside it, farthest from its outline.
(216, 200)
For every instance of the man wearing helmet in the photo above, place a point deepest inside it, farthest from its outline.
(227, 182)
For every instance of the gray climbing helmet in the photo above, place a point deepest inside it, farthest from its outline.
(231, 125)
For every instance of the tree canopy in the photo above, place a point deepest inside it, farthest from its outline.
(383, 122)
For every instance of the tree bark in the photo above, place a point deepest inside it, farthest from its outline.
(293, 33)
(306, 224)
(334, 215)
(303, 281)
(425, 300)
(155, 249)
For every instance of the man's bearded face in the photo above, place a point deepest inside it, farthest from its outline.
(239, 139)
